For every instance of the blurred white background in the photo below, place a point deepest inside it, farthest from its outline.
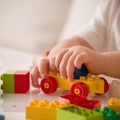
(35, 26)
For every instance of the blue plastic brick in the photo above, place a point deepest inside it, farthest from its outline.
(80, 72)
(2, 117)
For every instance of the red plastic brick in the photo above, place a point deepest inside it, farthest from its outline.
(80, 101)
(22, 82)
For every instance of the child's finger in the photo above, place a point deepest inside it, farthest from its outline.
(70, 67)
(34, 76)
(63, 64)
(79, 60)
(59, 58)
(52, 64)
(43, 67)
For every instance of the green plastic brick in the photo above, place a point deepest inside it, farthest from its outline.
(78, 113)
(8, 87)
(108, 113)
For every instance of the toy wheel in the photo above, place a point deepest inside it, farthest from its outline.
(48, 85)
(79, 89)
(106, 86)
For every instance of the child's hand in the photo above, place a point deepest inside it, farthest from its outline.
(69, 58)
(41, 67)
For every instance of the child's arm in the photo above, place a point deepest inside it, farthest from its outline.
(111, 64)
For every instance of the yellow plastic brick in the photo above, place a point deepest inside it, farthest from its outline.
(43, 110)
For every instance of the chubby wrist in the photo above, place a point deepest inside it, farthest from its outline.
(103, 62)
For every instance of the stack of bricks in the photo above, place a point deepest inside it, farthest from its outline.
(15, 81)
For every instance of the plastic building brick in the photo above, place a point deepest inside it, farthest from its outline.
(109, 114)
(43, 110)
(80, 72)
(80, 101)
(15, 81)
(2, 117)
(114, 103)
(8, 81)
(78, 113)
(114, 87)
(22, 81)
(82, 86)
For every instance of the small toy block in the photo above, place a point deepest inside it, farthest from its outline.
(80, 101)
(114, 103)
(2, 117)
(77, 113)
(22, 82)
(43, 110)
(114, 87)
(80, 72)
(109, 114)
(8, 81)
(15, 81)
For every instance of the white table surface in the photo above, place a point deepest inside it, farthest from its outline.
(13, 105)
